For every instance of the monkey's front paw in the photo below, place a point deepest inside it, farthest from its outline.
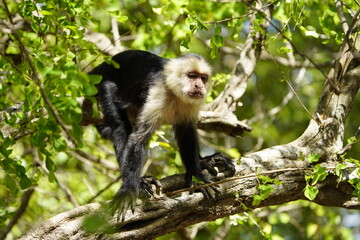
(218, 162)
(123, 200)
(146, 188)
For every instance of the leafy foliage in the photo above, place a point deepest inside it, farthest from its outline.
(265, 188)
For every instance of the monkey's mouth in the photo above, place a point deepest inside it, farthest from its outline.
(196, 95)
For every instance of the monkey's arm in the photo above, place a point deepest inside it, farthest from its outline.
(188, 143)
(187, 139)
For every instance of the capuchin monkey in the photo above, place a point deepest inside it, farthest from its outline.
(144, 92)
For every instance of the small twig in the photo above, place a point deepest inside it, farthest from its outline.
(293, 90)
(228, 19)
(285, 101)
(303, 55)
(115, 32)
(69, 196)
(19, 212)
(352, 26)
(103, 190)
(103, 50)
(340, 12)
(349, 145)
(255, 223)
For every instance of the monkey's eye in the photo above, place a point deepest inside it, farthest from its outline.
(204, 78)
(192, 75)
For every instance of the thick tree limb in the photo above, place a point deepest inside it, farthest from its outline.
(159, 217)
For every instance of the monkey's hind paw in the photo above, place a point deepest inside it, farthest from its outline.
(123, 201)
(218, 162)
(146, 187)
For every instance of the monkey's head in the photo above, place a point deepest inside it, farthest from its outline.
(188, 77)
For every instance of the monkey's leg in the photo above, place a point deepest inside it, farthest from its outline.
(132, 162)
(116, 125)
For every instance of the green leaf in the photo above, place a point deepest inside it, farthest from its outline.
(59, 144)
(236, 194)
(217, 40)
(50, 165)
(351, 140)
(52, 177)
(10, 183)
(319, 174)
(284, 50)
(7, 165)
(256, 200)
(310, 192)
(95, 79)
(196, 180)
(5, 144)
(186, 41)
(313, 157)
(201, 25)
(90, 90)
(339, 168)
(265, 190)
(355, 182)
(25, 182)
(217, 30)
(119, 17)
(214, 52)
(5, 152)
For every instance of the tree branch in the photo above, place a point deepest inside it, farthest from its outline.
(219, 114)
(158, 217)
(19, 212)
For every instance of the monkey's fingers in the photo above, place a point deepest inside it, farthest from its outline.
(210, 192)
(218, 162)
(207, 163)
(146, 184)
(224, 163)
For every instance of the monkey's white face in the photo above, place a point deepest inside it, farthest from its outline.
(196, 85)
(188, 79)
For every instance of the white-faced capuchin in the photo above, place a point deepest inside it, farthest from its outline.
(144, 92)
